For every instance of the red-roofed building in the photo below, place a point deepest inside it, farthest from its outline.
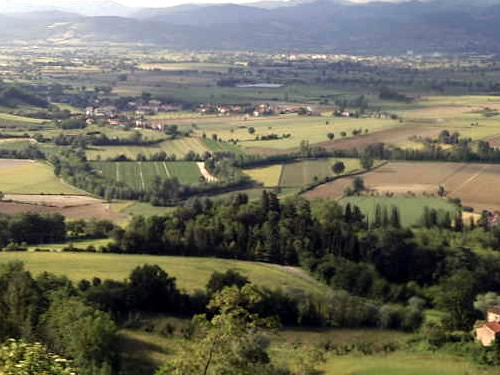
(489, 332)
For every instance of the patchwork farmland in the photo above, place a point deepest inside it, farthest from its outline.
(475, 184)
(140, 175)
(300, 174)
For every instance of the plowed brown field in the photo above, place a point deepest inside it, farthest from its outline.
(477, 185)
(73, 207)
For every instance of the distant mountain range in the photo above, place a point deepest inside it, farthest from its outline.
(307, 25)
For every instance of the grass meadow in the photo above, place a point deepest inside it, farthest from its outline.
(191, 273)
(33, 178)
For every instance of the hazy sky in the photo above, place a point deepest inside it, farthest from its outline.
(166, 3)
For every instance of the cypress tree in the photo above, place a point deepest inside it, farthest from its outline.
(395, 218)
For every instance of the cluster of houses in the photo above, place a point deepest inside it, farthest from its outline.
(256, 110)
(135, 114)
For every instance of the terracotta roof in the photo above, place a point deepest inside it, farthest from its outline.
(494, 309)
(494, 326)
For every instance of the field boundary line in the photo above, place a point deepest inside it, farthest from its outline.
(117, 172)
(166, 170)
(142, 176)
(470, 179)
(282, 172)
(353, 174)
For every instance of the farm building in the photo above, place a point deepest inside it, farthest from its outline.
(489, 332)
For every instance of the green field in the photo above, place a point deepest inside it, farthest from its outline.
(179, 147)
(14, 144)
(140, 175)
(403, 364)
(77, 244)
(152, 350)
(216, 146)
(145, 209)
(306, 172)
(8, 119)
(301, 128)
(410, 208)
(191, 273)
(300, 174)
(32, 178)
(267, 176)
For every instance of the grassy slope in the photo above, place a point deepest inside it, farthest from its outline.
(191, 273)
(34, 178)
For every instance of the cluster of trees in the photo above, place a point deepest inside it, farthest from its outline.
(30, 151)
(35, 229)
(98, 138)
(382, 262)
(464, 151)
(49, 309)
(72, 123)
(31, 228)
(387, 93)
(11, 96)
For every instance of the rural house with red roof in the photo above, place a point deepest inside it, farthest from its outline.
(489, 332)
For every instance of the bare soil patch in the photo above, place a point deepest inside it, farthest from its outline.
(73, 207)
(9, 163)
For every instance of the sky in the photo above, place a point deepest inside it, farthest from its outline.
(166, 3)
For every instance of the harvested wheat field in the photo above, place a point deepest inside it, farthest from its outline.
(477, 185)
(72, 207)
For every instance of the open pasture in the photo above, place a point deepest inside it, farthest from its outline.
(29, 177)
(191, 273)
(475, 184)
(140, 175)
(179, 147)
